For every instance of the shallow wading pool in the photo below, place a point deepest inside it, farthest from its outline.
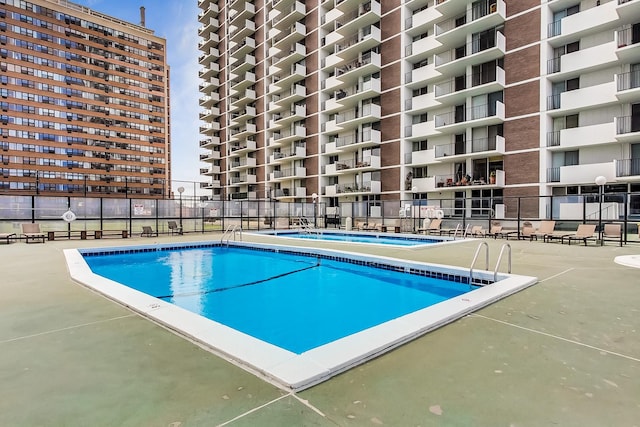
(294, 316)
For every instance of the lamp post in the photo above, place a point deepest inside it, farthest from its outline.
(600, 182)
(180, 190)
(314, 197)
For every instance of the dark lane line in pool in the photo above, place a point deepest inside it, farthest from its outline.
(209, 291)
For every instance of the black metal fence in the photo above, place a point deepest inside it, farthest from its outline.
(112, 216)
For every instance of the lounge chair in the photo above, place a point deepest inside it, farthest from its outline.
(612, 232)
(433, 227)
(370, 227)
(174, 227)
(527, 231)
(546, 229)
(584, 233)
(31, 232)
(147, 231)
(7, 236)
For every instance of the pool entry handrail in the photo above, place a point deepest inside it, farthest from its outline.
(231, 232)
(495, 272)
(475, 258)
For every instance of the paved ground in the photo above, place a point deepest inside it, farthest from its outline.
(564, 352)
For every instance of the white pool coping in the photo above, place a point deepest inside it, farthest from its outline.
(289, 370)
(628, 260)
(441, 240)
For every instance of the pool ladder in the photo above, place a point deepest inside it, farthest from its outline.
(495, 271)
(231, 232)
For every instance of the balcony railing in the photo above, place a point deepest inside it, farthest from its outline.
(630, 80)
(628, 167)
(483, 144)
(553, 174)
(553, 138)
(627, 124)
(473, 113)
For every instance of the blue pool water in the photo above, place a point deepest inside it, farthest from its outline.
(377, 239)
(292, 300)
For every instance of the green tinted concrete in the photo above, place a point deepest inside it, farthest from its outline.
(563, 352)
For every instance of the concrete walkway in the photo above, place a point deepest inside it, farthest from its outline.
(563, 352)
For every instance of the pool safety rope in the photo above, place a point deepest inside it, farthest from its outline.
(210, 291)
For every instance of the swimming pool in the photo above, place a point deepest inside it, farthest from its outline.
(405, 240)
(300, 367)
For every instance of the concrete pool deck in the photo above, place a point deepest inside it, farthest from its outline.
(562, 352)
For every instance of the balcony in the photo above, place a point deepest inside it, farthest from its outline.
(288, 174)
(356, 15)
(481, 115)
(370, 187)
(288, 37)
(245, 47)
(280, 120)
(211, 70)
(367, 114)
(211, 55)
(211, 11)
(368, 64)
(208, 27)
(351, 166)
(241, 66)
(209, 114)
(628, 46)
(458, 89)
(483, 15)
(582, 136)
(242, 147)
(350, 97)
(240, 84)
(354, 142)
(242, 163)
(244, 195)
(587, 21)
(627, 128)
(209, 100)
(421, 21)
(573, 101)
(210, 142)
(209, 86)
(207, 43)
(284, 61)
(361, 41)
(210, 157)
(422, 74)
(582, 61)
(285, 156)
(456, 61)
(284, 137)
(453, 182)
(628, 168)
(286, 79)
(628, 85)
(236, 16)
(582, 174)
(289, 193)
(476, 148)
(297, 93)
(242, 31)
(423, 157)
(287, 17)
(209, 128)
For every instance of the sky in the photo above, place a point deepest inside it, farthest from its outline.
(177, 22)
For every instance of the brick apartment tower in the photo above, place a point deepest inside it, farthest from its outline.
(462, 103)
(84, 103)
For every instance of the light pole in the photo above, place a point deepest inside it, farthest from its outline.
(600, 182)
(314, 197)
(180, 190)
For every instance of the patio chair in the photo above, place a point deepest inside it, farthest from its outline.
(147, 231)
(527, 231)
(546, 229)
(478, 231)
(7, 236)
(174, 228)
(434, 226)
(31, 232)
(584, 233)
(371, 227)
(612, 232)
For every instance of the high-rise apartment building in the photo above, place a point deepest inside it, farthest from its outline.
(450, 100)
(84, 103)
